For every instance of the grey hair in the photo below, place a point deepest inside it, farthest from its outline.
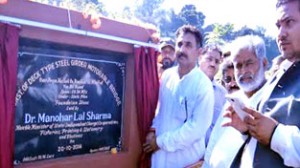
(253, 43)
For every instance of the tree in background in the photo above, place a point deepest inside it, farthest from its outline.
(219, 34)
(167, 21)
(223, 34)
(146, 10)
(189, 15)
(169, 24)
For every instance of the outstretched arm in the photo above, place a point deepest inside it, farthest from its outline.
(283, 139)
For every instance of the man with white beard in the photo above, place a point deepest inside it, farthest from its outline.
(248, 54)
(274, 125)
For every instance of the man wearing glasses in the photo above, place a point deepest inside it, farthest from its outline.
(228, 79)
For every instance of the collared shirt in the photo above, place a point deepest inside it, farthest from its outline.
(284, 136)
(184, 114)
(219, 93)
(225, 142)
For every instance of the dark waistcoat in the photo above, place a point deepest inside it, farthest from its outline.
(284, 106)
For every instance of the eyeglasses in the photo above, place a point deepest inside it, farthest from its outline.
(228, 79)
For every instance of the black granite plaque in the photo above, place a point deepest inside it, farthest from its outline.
(69, 101)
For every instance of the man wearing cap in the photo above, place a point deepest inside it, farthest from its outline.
(167, 59)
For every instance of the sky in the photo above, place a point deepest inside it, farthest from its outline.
(251, 13)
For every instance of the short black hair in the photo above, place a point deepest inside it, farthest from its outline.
(227, 64)
(281, 2)
(193, 30)
(211, 47)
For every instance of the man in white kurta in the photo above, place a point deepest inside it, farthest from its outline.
(185, 107)
(182, 143)
(225, 142)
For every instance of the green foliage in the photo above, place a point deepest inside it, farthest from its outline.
(220, 34)
(167, 21)
(168, 25)
(189, 15)
(223, 34)
(147, 10)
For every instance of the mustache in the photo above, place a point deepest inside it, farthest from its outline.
(181, 54)
(243, 77)
(213, 67)
(234, 87)
(283, 40)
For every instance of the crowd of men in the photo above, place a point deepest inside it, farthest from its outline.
(195, 125)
